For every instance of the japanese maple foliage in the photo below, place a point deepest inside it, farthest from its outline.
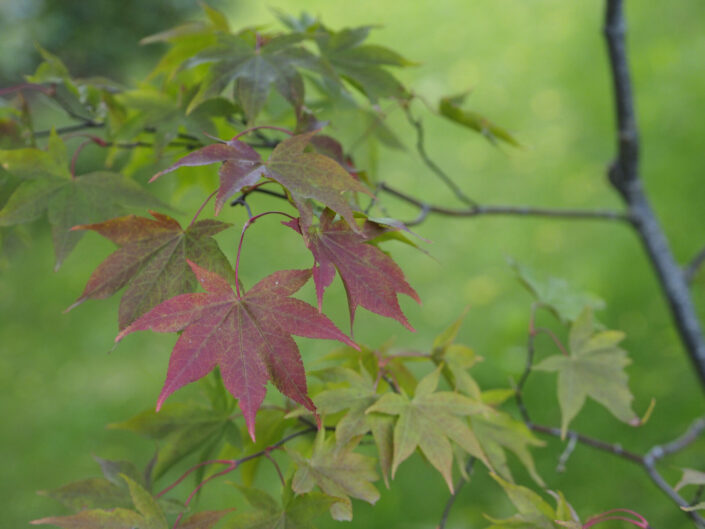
(368, 409)
(247, 336)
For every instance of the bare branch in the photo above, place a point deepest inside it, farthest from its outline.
(421, 149)
(624, 175)
(449, 504)
(525, 211)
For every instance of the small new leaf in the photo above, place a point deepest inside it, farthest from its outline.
(248, 336)
(152, 261)
(339, 472)
(430, 421)
(595, 368)
(450, 107)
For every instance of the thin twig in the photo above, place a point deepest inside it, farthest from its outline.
(479, 210)
(694, 265)
(459, 485)
(421, 149)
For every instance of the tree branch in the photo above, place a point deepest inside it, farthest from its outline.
(479, 210)
(421, 149)
(449, 504)
(624, 176)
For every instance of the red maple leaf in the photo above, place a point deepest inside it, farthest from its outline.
(247, 336)
(371, 278)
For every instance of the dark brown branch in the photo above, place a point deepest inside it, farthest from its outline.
(624, 175)
(479, 210)
(459, 485)
(421, 149)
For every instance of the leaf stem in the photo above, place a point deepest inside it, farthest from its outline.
(198, 212)
(75, 156)
(549, 332)
(260, 127)
(247, 224)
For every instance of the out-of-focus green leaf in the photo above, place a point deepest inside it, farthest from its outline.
(297, 512)
(690, 477)
(181, 429)
(91, 493)
(556, 294)
(499, 432)
(534, 511)
(147, 506)
(338, 472)
(450, 107)
(595, 368)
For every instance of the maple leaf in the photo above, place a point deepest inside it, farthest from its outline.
(242, 166)
(533, 511)
(297, 512)
(357, 396)
(429, 421)
(556, 294)
(361, 64)
(149, 515)
(371, 278)
(339, 472)
(450, 107)
(179, 430)
(85, 199)
(254, 69)
(248, 336)
(595, 368)
(303, 174)
(152, 261)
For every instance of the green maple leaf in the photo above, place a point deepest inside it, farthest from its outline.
(595, 368)
(179, 429)
(691, 477)
(254, 70)
(450, 108)
(149, 514)
(499, 432)
(357, 396)
(297, 512)
(339, 472)
(68, 202)
(534, 511)
(362, 65)
(556, 294)
(429, 421)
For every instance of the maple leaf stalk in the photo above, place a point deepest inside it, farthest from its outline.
(198, 212)
(260, 127)
(247, 224)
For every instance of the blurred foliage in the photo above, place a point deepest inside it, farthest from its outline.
(92, 38)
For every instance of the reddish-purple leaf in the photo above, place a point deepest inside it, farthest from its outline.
(371, 278)
(248, 336)
(242, 166)
(151, 261)
(304, 174)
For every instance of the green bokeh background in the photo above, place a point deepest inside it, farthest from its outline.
(537, 67)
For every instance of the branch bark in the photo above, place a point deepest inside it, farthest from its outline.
(624, 176)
